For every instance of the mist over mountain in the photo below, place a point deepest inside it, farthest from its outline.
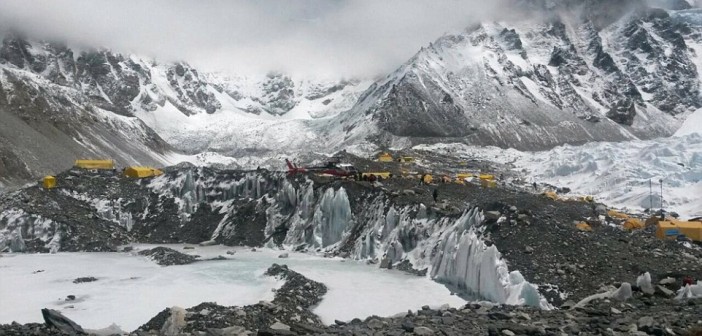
(525, 74)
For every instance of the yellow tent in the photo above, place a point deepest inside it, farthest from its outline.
(427, 179)
(552, 195)
(142, 172)
(95, 164)
(617, 215)
(463, 176)
(487, 177)
(49, 182)
(633, 224)
(671, 229)
(385, 157)
(582, 226)
(380, 175)
(406, 159)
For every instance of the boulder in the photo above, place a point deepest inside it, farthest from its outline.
(492, 215)
(165, 256)
(208, 243)
(423, 331)
(375, 324)
(667, 281)
(407, 325)
(84, 279)
(284, 255)
(646, 323)
(53, 318)
(664, 291)
(279, 326)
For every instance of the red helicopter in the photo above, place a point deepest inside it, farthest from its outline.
(333, 168)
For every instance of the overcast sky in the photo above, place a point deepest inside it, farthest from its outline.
(315, 37)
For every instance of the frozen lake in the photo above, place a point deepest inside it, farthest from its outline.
(131, 289)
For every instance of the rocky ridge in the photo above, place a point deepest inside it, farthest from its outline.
(289, 310)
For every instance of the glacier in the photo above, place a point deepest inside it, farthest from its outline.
(616, 173)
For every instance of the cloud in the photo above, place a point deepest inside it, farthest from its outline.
(302, 37)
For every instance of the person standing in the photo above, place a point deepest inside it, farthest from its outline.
(435, 194)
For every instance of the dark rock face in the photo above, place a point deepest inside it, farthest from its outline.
(165, 256)
(623, 113)
(279, 94)
(192, 90)
(84, 279)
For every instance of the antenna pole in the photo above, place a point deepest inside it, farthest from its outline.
(650, 193)
(661, 181)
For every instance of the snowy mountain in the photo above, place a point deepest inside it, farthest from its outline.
(59, 104)
(567, 72)
(562, 75)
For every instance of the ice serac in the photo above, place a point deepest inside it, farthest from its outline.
(643, 281)
(17, 227)
(690, 291)
(464, 260)
(295, 215)
(332, 217)
(375, 229)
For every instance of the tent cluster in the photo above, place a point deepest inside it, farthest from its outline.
(50, 182)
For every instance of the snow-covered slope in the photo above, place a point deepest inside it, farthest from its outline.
(693, 124)
(538, 82)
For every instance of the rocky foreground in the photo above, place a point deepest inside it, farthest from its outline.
(290, 314)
